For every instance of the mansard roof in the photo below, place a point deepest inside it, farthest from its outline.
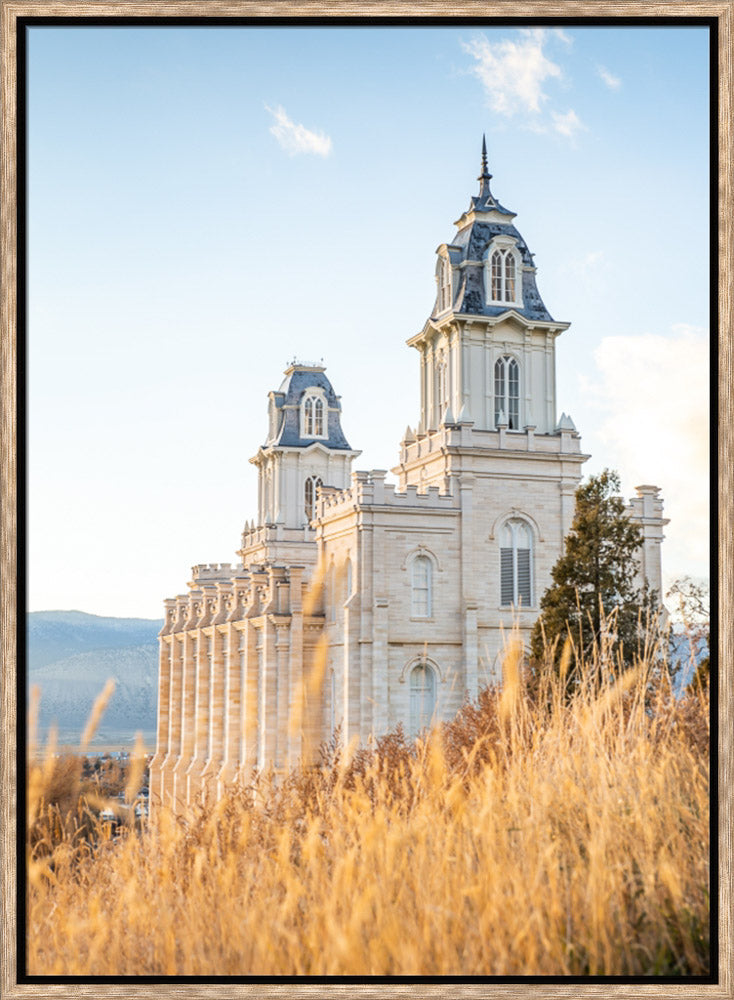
(285, 430)
(483, 221)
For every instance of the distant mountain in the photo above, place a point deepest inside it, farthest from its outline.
(70, 657)
(682, 660)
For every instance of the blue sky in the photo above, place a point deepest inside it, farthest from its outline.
(206, 203)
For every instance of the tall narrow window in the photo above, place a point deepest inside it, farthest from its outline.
(311, 486)
(318, 417)
(313, 422)
(444, 287)
(497, 269)
(421, 587)
(502, 276)
(516, 564)
(507, 391)
(509, 277)
(443, 384)
(422, 697)
(348, 576)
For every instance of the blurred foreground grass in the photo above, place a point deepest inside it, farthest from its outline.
(530, 836)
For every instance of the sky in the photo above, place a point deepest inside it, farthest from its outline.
(205, 204)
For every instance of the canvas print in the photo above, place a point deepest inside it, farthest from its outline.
(368, 500)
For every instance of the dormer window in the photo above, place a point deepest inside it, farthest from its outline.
(313, 414)
(445, 284)
(501, 274)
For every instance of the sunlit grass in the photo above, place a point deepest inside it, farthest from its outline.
(552, 837)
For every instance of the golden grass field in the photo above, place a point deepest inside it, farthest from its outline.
(528, 837)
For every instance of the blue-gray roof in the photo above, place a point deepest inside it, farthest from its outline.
(287, 404)
(471, 243)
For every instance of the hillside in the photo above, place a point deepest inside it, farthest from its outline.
(71, 655)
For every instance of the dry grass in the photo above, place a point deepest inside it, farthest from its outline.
(555, 838)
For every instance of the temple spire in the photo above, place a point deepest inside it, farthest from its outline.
(485, 172)
(484, 177)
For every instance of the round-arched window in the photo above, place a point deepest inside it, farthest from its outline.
(516, 563)
(422, 697)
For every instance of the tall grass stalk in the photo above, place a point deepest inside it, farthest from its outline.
(554, 836)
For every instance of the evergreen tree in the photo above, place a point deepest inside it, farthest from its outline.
(595, 580)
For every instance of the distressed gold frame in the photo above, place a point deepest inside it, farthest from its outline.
(10, 11)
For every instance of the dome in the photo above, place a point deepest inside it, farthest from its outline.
(286, 425)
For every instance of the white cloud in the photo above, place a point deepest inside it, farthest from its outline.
(613, 82)
(513, 72)
(568, 124)
(297, 138)
(654, 393)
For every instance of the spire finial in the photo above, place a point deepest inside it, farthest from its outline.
(485, 176)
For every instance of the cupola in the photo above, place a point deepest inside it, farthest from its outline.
(487, 269)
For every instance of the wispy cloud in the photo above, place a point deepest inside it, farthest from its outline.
(515, 72)
(568, 124)
(613, 82)
(295, 138)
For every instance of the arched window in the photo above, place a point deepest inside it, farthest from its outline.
(497, 269)
(445, 290)
(318, 417)
(309, 492)
(516, 564)
(503, 276)
(421, 596)
(422, 697)
(313, 416)
(509, 277)
(507, 392)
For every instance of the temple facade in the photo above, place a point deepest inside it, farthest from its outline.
(360, 603)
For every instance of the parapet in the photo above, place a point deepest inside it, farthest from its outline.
(369, 489)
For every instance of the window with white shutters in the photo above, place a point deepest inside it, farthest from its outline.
(422, 697)
(516, 564)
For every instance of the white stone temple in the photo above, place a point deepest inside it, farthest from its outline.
(362, 604)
